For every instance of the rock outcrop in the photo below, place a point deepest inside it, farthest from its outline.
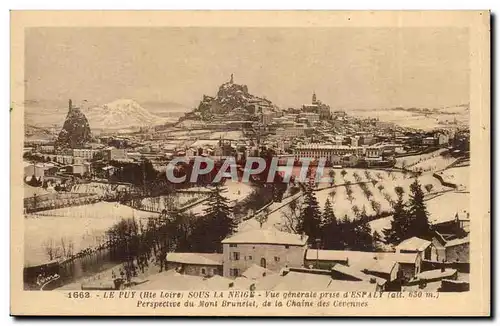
(75, 132)
(233, 99)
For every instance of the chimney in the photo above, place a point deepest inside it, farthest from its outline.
(70, 105)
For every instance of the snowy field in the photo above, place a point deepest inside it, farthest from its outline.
(440, 118)
(178, 200)
(437, 163)
(409, 161)
(204, 142)
(382, 191)
(98, 188)
(446, 206)
(459, 176)
(440, 209)
(184, 133)
(30, 191)
(227, 135)
(84, 227)
(234, 191)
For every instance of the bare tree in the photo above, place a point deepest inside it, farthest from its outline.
(49, 249)
(376, 206)
(290, 216)
(333, 192)
(343, 172)
(355, 210)
(63, 246)
(331, 174)
(71, 248)
(263, 216)
(389, 199)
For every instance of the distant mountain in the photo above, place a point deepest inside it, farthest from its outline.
(121, 114)
(36, 132)
(166, 109)
(421, 118)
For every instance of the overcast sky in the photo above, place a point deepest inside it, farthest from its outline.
(347, 67)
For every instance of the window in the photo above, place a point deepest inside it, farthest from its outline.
(236, 256)
(233, 245)
(287, 246)
(249, 257)
(203, 271)
(234, 272)
(263, 262)
(276, 258)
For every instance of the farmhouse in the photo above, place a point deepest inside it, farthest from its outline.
(415, 245)
(451, 250)
(195, 264)
(270, 249)
(387, 265)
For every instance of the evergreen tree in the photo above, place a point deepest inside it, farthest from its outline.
(328, 214)
(330, 228)
(377, 241)
(310, 217)
(399, 224)
(346, 234)
(362, 239)
(216, 224)
(418, 215)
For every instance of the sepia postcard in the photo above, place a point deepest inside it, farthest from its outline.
(279, 163)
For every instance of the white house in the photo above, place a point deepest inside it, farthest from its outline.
(270, 249)
(415, 245)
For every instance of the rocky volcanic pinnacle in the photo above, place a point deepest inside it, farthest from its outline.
(232, 96)
(76, 130)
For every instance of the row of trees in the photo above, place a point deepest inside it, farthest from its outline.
(323, 228)
(410, 219)
(137, 244)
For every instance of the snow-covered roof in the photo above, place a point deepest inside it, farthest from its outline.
(357, 257)
(217, 282)
(267, 237)
(256, 272)
(268, 282)
(297, 281)
(329, 255)
(242, 283)
(171, 280)
(339, 285)
(457, 242)
(382, 266)
(193, 258)
(327, 146)
(353, 272)
(436, 274)
(413, 243)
